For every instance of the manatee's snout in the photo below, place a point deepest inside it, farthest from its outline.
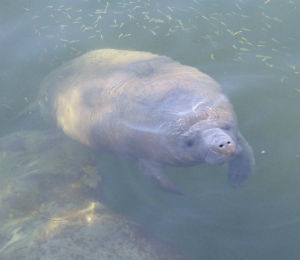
(219, 144)
(222, 144)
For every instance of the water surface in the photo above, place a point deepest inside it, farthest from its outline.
(250, 47)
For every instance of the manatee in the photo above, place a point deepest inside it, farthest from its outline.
(147, 107)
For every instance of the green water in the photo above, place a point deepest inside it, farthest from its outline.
(250, 47)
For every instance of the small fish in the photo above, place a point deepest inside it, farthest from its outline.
(236, 33)
(136, 7)
(263, 57)
(170, 8)
(293, 67)
(63, 26)
(231, 32)
(153, 32)
(269, 65)
(238, 7)
(86, 28)
(98, 19)
(275, 40)
(169, 17)
(277, 20)
(36, 31)
(69, 16)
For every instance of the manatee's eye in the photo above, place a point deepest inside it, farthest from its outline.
(226, 127)
(189, 142)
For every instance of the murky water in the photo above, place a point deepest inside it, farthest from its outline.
(250, 47)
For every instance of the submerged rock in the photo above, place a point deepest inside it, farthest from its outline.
(49, 209)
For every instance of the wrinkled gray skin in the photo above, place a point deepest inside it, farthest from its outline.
(148, 107)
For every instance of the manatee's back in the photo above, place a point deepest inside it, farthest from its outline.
(73, 93)
(115, 96)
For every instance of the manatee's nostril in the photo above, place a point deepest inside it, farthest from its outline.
(225, 144)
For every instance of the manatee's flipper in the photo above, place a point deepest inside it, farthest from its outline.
(241, 167)
(156, 173)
